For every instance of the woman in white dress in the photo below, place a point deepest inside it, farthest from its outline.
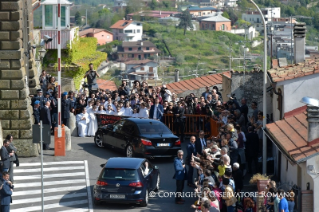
(127, 109)
(82, 120)
(135, 113)
(143, 111)
(93, 122)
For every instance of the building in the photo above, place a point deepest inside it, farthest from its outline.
(216, 23)
(196, 85)
(72, 20)
(141, 70)
(196, 11)
(152, 14)
(50, 24)
(106, 84)
(250, 32)
(254, 17)
(127, 30)
(103, 36)
(139, 50)
(230, 3)
(119, 5)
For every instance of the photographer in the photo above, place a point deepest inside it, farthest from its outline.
(91, 76)
(124, 89)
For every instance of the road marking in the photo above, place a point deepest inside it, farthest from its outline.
(45, 176)
(87, 177)
(59, 197)
(51, 163)
(48, 169)
(38, 184)
(76, 210)
(47, 190)
(50, 206)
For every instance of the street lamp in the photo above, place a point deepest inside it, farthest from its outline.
(264, 88)
(42, 52)
(271, 34)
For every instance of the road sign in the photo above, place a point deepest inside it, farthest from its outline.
(46, 133)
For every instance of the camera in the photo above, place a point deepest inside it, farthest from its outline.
(47, 38)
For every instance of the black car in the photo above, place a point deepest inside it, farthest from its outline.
(126, 180)
(139, 137)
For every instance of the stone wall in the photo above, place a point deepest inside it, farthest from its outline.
(250, 86)
(15, 108)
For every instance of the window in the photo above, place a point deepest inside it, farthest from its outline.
(223, 26)
(150, 69)
(48, 15)
(108, 36)
(147, 48)
(102, 35)
(142, 68)
(139, 48)
(130, 49)
(129, 128)
(120, 174)
(138, 31)
(128, 31)
(153, 128)
(121, 30)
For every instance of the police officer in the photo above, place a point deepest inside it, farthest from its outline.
(36, 112)
(65, 109)
(47, 97)
(38, 97)
(54, 111)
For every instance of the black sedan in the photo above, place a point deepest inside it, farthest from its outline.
(139, 137)
(126, 180)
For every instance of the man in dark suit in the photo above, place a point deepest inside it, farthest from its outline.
(179, 176)
(6, 192)
(5, 156)
(252, 147)
(36, 112)
(65, 109)
(201, 142)
(191, 150)
(46, 119)
(179, 120)
(157, 111)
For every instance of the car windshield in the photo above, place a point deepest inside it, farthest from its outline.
(153, 128)
(120, 174)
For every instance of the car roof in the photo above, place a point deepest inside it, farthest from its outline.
(141, 120)
(124, 163)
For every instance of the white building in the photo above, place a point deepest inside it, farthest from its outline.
(230, 3)
(141, 70)
(127, 30)
(250, 32)
(255, 19)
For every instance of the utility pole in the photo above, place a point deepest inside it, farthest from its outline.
(230, 56)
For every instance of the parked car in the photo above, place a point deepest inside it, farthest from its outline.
(126, 180)
(139, 137)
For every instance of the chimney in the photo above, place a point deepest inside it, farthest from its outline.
(299, 42)
(141, 43)
(176, 75)
(313, 122)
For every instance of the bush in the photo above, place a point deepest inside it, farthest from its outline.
(180, 59)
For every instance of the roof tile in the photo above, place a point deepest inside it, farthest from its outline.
(121, 24)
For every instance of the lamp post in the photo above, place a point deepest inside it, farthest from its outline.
(42, 52)
(264, 88)
(271, 34)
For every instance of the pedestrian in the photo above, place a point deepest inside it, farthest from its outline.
(238, 177)
(201, 143)
(36, 112)
(12, 149)
(66, 107)
(191, 151)
(179, 120)
(5, 156)
(251, 149)
(6, 192)
(156, 111)
(91, 75)
(283, 204)
(180, 176)
(46, 119)
(38, 97)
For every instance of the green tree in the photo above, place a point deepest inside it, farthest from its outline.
(315, 21)
(153, 4)
(103, 12)
(186, 21)
(180, 59)
(78, 18)
(225, 14)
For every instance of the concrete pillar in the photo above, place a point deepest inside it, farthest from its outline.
(72, 124)
(313, 172)
(67, 139)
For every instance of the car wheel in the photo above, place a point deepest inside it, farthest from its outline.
(157, 183)
(129, 151)
(145, 201)
(98, 140)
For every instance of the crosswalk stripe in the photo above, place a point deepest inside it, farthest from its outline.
(48, 176)
(50, 206)
(47, 190)
(48, 169)
(59, 197)
(63, 182)
(51, 163)
(76, 210)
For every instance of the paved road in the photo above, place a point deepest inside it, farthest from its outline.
(84, 149)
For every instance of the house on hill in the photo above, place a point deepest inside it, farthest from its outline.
(103, 36)
(139, 50)
(216, 23)
(127, 30)
(141, 70)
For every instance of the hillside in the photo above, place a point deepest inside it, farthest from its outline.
(211, 47)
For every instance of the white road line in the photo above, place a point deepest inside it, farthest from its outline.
(59, 197)
(76, 210)
(47, 190)
(16, 178)
(62, 182)
(87, 177)
(51, 163)
(48, 169)
(50, 206)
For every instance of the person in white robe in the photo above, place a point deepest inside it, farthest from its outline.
(143, 111)
(127, 109)
(82, 120)
(109, 102)
(92, 125)
(109, 110)
(101, 110)
(118, 112)
(89, 105)
(135, 113)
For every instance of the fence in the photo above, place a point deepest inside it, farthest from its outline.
(193, 124)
